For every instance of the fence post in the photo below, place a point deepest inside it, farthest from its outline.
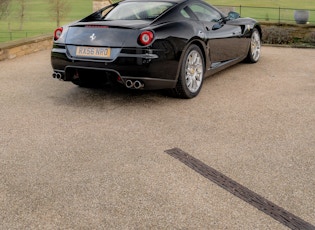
(279, 19)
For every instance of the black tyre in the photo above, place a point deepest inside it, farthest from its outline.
(191, 73)
(255, 47)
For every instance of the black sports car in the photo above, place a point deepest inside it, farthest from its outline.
(154, 44)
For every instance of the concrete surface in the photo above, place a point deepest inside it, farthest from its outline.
(77, 158)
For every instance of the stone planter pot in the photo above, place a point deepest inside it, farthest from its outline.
(301, 16)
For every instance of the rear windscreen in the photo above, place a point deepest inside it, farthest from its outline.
(137, 11)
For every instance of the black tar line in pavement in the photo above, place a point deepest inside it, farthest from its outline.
(254, 199)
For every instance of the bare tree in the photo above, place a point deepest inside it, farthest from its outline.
(59, 9)
(4, 5)
(22, 12)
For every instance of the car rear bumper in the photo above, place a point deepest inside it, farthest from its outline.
(153, 70)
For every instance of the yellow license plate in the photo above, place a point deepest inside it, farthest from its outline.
(97, 52)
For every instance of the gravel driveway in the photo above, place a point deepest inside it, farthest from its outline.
(78, 158)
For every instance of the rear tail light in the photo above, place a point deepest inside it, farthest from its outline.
(146, 37)
(58, 33)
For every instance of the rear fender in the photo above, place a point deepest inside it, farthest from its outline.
(196, 41)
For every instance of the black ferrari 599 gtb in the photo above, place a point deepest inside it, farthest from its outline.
(154, 44)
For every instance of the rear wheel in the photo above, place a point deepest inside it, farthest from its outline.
(255, 47)
(191, 74)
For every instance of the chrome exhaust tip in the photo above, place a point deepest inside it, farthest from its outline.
(138, 85)
(59, 76)
(129, 84)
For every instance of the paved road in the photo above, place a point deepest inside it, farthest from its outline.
(77, 158)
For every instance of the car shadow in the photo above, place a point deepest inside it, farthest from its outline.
(109, 97)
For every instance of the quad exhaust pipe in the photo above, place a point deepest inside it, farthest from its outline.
(130, 84)
(57, 76)
(134, 84)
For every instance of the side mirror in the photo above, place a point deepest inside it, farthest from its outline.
(233, 15)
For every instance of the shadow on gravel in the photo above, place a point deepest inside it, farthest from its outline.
(109, 97)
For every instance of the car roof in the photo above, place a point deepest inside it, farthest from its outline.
(177, 1)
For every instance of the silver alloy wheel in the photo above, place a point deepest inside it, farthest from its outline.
(193, 71)
(255, 46)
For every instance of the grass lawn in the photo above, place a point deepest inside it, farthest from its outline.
(303, 4)
(39, 21)
(268, 10)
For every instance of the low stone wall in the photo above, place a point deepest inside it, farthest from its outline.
(10, 50)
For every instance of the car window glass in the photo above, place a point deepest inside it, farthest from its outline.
(184, 13)
(104, 12)
(205, 13)
(138, 11)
